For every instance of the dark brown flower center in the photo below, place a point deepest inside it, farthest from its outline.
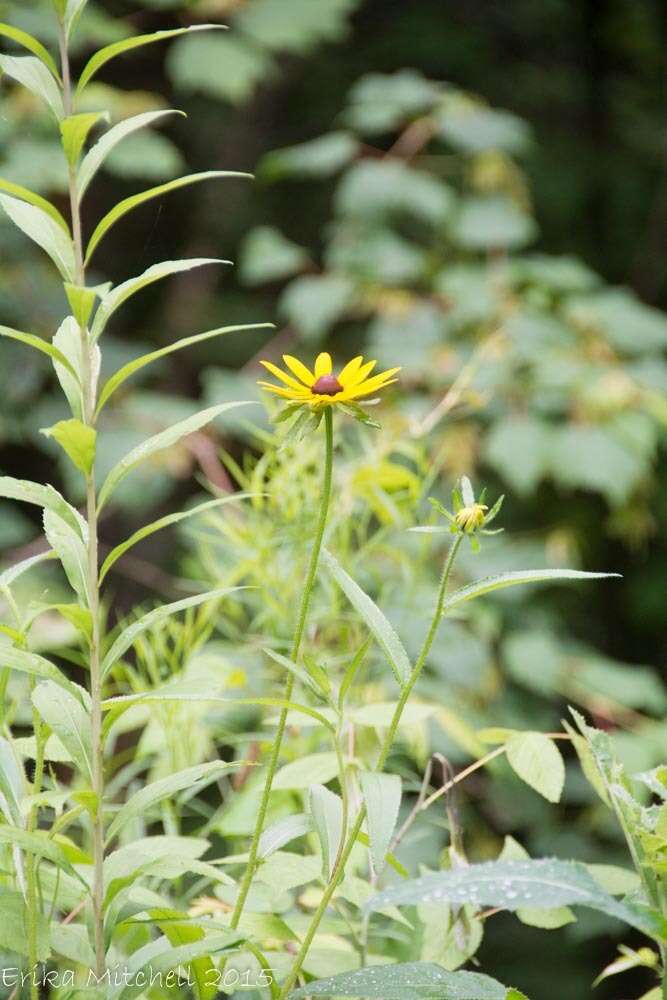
(327, 385)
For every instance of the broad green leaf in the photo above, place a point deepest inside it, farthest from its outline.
(514, 579)
(299, 774)
(136, 364)
(545, 883)
(74, 131)
(283, 832)
(42, 496)
(103, 56)
(165, 439)
(98, 153)
(40, 844)
(37, 666)
(316, 158)
(70, 549)
(127, 204)
(267, 255)
(181, 932)
(148, 796)
(32, 44)
(537, 760)
(14, 925)
(24, 194)
(12, 788)
(68, 719)
(113, 299)
(128, 635)
(382, 795)
(326, 809)
(42, 228)
(31, 73)
(160, 957)
(133, 856)
(77, 440)
(559, 916)
(405, 981)
(40, 345)
(373, 618)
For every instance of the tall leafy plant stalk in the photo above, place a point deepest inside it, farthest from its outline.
(309, 584)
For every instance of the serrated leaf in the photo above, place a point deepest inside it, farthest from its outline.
(32, 44)
(405, 981)
(545, 883)
(40, 345)
(42, 228)
(127, 204)
(518, 578)
(67, 718)
(165, 439)
(25, 194)
(98, 153)
(32, 74)
(283, 832)
(137, 364)
(77, 440)
(128, 635)
(148, 796)
(326, 810)
(74, 131)
(537, 760)
(373, 618)
(103, 56)
(37, 666)
(382, 795)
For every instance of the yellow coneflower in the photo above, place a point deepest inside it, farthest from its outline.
(321, 388)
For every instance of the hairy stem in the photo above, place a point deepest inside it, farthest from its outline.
(88, 395)
(339, 869)
(32, 861)
(289, 686)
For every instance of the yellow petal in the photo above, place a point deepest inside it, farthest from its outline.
(323, 365)
(299, 369)
(350, 370)
(283, 376)
(375, 383)
(279, 391)
(363, 372)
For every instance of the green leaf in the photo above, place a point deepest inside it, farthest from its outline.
(164, 522)
(326, 809)
(283, 832)
(14, 923)
(40, 345)
(32, 44)
(74, 131)
(165, 439)
(70, 549)
(40, 845)
(492, 222)
(373, 618)
(24, 194)
(313, 303)
(159, 957)
(103, 56)
(42, 496)
(382, 795)
(38, 666)
(267, 255)
(225, 68)
(319, 157)
(68, 719)
(98, 153)
(113, 299)
(12, 573)
(31, 73)
(127, 204)
(81, 301)
(405, 981)
(537, 760)
(180, 933)
(128, 635)
(42, 228)
(73, 11)
(80, 617)
(559, 916)
(148, 796)
(77, 440)
(316, 768)
(514, 579)
(136, 364)
(12, 780)
(535, 884)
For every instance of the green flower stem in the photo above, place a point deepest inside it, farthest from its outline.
(88, 414)
(339, 869)
(325, 500)
(32, 861)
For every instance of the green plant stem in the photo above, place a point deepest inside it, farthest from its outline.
(289, 686)
(88, 393)
(31, 872)
(387, 744)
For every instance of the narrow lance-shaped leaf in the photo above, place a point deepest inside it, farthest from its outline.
(25, 194)
(282, 832)
(74, 131)
(32, 44)
(42, 496)
(372, 616)
(102, 56)
(31, 73)
(37, 666)
(77, 441)
(326, 809)
(128, 635)
(11, 783)
(514, 579)
(73, 11)
(127, 204)
(98, 153)
(160, 956)
(156, 791)
(137, 364)
(406, 981)
(40, 845)
(165, 439)
(39, 345)
(12, 573)
(70, 549)
(40, 227)
(165, 522)
(67, 718)
(115, 298)
(382, 795)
